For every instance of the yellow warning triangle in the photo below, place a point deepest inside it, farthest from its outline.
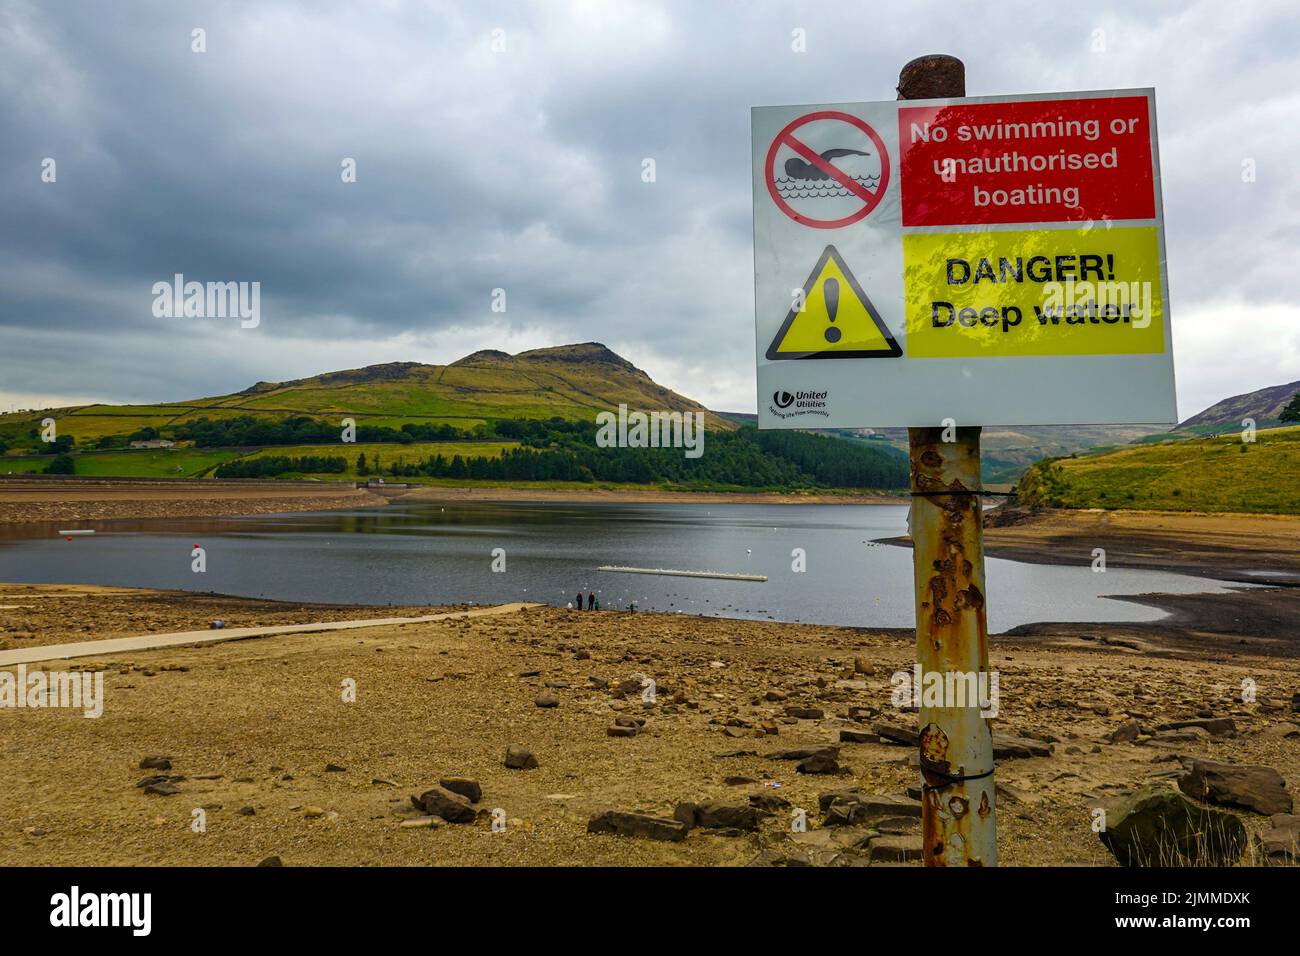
(837, 319)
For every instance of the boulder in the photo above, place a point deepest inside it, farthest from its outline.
(1013, 748)
(1261, 789)
(849, 736)
(803, 753)
(1214, 726)
(1157, 826)
(467, 788)
(441, 802)
(1280, 843)
(818, 763)
(639, 825)
(520, 758)
(854, 808)
(1124, 733)
(896, 848)
(895, 733)
(716, 815)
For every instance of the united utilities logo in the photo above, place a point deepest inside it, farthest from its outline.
(799, 403)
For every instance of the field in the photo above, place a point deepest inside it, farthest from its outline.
(1222, 474)
(142, 463)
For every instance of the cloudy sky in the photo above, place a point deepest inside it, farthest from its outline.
(520, 169)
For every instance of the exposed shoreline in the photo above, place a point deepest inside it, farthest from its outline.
(256, 734)
(31, 501)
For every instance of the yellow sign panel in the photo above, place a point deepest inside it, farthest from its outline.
(834, 318)
(1035, 292)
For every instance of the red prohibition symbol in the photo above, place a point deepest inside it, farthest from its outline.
(869, 199)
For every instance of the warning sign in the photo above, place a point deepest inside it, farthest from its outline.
(832, 318)
(827, 169)
(1005, 256)
(986, 294)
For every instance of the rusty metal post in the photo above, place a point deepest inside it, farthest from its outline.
(958, 818)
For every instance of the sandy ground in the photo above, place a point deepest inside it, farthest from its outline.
(251, 726)
(1230, 547)
(84, 502)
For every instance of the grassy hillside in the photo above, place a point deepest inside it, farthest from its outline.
(573, 382)
(1207, 474)
(490, 417)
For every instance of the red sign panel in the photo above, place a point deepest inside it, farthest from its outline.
(1040, 161)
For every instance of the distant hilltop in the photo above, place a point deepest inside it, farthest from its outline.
(566, 381)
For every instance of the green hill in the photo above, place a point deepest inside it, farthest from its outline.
(487, 418)
(1204, 474)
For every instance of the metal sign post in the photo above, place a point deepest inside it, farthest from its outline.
(958, 798)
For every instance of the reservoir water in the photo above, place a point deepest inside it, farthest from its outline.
(429, 553)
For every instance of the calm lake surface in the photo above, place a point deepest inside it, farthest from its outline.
(442, 554)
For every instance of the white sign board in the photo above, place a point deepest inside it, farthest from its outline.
(991, 260)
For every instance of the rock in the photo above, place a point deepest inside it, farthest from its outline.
(335, 768)
(896, 734)
(685, 813)
(1214, 726)
(852, 807)
(639, 825)
(617, 731)
(382, 782)
(848, 736)
(1261, 789)
(1124, 733)
(1280, 843)
(156, 763)
(803, 753)
(818, 763)
(162, 789)
(863, 666)
(246, 811)
(805, 713)
(520, 758)
(272, 861)
(896, 848)
(312, 812)
(467, 788)
(1157, 826)
(770, 802)
(546, 701)
(775, 696)
(1013, 748)
(441, 802)
(1284, 731)
(738, 781)
(714, 815)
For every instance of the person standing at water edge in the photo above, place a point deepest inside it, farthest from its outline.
(591, 600)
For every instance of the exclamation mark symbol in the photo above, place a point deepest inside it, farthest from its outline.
(831, 290)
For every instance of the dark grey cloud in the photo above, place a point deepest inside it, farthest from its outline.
(522, 170)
